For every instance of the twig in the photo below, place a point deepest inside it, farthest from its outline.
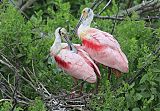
(115, 20)
(122, 18)
(105, 7)
(20, 10)
(141, 7)
(2, 100)
(14, 98)
(94, 3)
(27, 5)
(97, 4)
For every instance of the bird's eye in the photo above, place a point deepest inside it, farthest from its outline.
(62, 33)
(84, 11)
(89, 10)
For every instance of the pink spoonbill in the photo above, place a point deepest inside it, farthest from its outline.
(75, 61)
(101, 46)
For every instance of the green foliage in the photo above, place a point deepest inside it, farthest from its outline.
(26, 43)
(38, 105)
(6, 106)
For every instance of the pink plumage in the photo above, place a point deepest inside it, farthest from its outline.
(104, 48)
(79, 65)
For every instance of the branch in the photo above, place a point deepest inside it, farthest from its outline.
(123, 18)
(143, 7)
(97, 4)
(2, 100)
(139, 9)
(27, 5)
(105, 7)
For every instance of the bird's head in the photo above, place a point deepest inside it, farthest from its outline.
(61, 31)
(64, 34)
(86, 18)
(87, 13)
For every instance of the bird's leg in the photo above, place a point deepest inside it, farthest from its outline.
(97, 84)
(74, 87)
(109, 73)
(81, 88)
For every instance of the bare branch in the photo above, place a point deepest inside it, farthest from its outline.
(2, 100)
(141, 7)
(105, 7)
(97, 4)
(27, 5)
(109, 17)
(123, 18)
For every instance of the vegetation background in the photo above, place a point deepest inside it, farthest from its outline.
(27, 33)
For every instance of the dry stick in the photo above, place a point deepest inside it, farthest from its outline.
(15, 92)
(27, 5)
(6, 92)
(109, 17)
(2, 100)
(105, 7)
(123, 18)
(15, 70)
(94, 3)
(96, 6)
(15, 102)
(129, 4)
(27, 81)
(10, 86)
(20, 10)
(139, 7)
(28, 75)
(33, 69)
(16, 84)
(116, 17)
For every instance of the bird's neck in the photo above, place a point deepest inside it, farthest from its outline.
(56, 47)
(82, 29)
(84, 26)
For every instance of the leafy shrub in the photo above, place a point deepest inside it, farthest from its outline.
(26, 43)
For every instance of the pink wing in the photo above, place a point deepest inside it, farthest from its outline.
(89, 61)
(75, 65)
(103, 38)
(105, 49)
(86, 57)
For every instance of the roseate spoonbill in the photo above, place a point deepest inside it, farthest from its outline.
(101, 46)
(75, 61)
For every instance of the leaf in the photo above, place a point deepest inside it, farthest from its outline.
(154, 91)
(136, 109)
(144, 78)
(157, 79)
(156, 70)
(132, 85)
(157, 109)
(138, 96)
(145, 94)
(19, 55)
(150, 100)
